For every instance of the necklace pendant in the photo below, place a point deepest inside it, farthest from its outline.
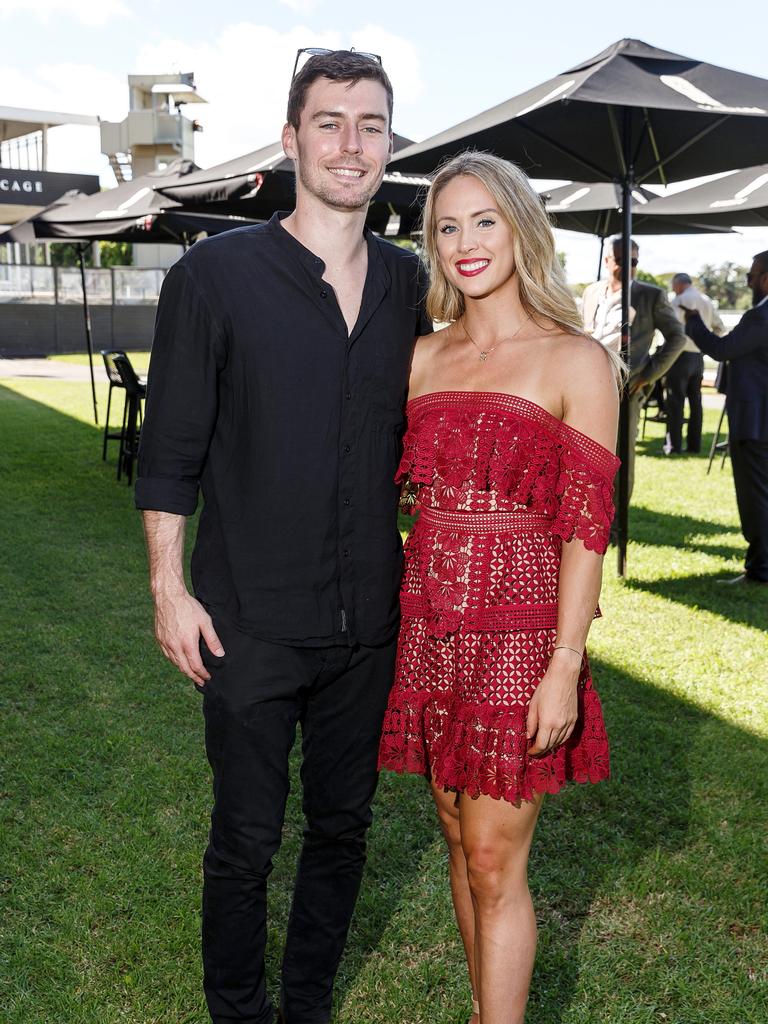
(483, 356)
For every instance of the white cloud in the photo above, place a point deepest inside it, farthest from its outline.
(88, 12)
(244, 74)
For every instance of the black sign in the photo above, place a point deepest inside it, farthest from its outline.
(39, 188)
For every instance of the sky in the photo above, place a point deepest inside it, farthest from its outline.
(447, 60)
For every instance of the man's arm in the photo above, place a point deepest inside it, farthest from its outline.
(188, 352)
(749, 334)
(180, 620)
(665, 320)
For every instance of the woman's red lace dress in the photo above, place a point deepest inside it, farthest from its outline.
(499, 484)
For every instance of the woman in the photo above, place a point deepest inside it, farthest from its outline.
(508, 457)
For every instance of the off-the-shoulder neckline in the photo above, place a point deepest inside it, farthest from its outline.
(485, 394)
(438, 397)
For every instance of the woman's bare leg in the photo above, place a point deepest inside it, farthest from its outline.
(496, 838)
(448, 813)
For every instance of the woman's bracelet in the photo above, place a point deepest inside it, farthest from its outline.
(565, 647)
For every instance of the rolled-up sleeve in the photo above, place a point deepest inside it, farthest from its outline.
(188, 353)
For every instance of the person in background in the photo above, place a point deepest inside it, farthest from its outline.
(746, 402)
(650, 311)
(683, 379)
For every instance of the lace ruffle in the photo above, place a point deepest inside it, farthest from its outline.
(519, 451)
(480, 750)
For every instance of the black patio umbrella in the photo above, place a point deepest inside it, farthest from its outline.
(633, 114)
(739, 199)
(132, 212)
(259, 183)
(595, 208)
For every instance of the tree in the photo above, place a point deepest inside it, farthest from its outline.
(725, 284)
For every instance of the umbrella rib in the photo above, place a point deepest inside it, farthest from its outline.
(655, 147)
(617, 139)
(604, 175)
(681, 149)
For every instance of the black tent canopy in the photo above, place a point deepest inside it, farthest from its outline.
(259, 183)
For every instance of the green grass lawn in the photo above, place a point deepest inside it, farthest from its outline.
(649, 889)
(140, 360)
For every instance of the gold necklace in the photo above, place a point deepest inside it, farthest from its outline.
(484, 353)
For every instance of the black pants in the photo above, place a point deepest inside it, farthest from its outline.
(256, 695)
(683, 380)
(750, 476)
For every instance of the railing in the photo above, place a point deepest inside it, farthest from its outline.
(112, 286)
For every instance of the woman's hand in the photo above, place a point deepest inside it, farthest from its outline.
(553, 710)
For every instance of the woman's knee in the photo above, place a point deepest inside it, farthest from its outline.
(495, 873)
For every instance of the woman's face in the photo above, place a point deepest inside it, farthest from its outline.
(474, 242)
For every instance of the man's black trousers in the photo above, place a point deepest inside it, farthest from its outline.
(750, 476)
(683, 380)
(257, 694)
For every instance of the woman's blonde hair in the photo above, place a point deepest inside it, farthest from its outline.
(541, 280)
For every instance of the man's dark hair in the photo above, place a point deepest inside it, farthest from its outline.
(339, 66)
(617, 245)
(682, 279)
(762, 259)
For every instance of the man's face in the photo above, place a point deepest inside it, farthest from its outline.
(343, 142)
(678, 287)
(613, 264)
(757, 279)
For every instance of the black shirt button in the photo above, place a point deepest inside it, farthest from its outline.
(323, 294)
(348, 395)
(346, 552)
(346, 501)
(347, 449)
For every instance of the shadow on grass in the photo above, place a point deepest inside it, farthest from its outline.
(592, 838)
(651, 446)
(744, 603)
(668, 529)
(65, 509)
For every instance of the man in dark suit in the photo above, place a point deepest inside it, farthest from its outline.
(650, 312)
(746, 402)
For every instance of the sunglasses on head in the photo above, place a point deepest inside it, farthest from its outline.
(303, 55)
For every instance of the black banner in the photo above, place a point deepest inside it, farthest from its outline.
(39, 188)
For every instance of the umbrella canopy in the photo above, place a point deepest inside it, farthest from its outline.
(739, 199)
(259, 183)
(688, 118)
(132, 212)
(596, 209)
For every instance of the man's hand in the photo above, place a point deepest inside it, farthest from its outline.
(638, 385)
(180, 621)
(553, 711)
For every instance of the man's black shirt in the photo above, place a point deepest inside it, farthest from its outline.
(290, 425)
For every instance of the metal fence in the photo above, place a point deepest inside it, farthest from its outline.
(41, 308)
(113, 286)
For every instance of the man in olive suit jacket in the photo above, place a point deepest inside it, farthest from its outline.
(746, 402)
(650, 312)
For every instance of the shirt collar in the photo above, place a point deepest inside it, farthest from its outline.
(312, 262)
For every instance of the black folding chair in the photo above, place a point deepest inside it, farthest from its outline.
(135, 393)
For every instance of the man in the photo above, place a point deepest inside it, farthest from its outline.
(746, 402)
(650, 312)
(278, 382)
(683, 379)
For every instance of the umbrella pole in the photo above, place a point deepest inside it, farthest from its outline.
(625, 441)
(600, 258)
(88, 338)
